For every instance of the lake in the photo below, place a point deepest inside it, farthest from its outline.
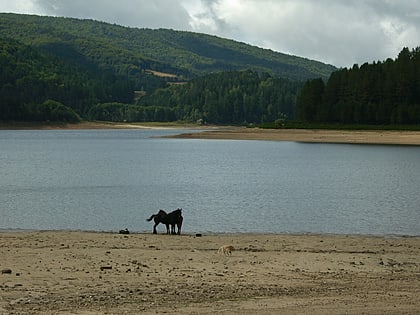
(106, 180)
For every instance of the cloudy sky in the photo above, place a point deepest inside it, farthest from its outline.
(339, 32)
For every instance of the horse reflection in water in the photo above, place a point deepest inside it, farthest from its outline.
(172, 218)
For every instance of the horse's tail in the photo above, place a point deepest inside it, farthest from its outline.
(150, 219)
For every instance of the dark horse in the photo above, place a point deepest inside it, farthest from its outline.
(172, 218)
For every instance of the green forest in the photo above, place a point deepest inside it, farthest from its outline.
(68, 69)
(38, 87)
(221, 98)
(35, 86)
(379, 93)
(231, 97)
(132, 51)
(62, 69)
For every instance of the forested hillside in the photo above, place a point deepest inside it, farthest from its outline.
(379, 93)
(131, 51)
(36, 86)
(226, 97)
(65, 69)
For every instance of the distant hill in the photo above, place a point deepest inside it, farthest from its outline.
(65, 69)
(138, 54)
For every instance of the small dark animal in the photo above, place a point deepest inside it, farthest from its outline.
(169, 219)
(126, 231)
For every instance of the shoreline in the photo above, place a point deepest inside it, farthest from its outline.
(221, 234)
(93, 125)
(73, 272)
(380, 137)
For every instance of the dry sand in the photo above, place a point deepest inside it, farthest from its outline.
(81, 125)
(308, 135)
(60, 272)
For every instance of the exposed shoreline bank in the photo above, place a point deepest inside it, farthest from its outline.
(242, 133)
(71, 272)
(222, 234)
(311, 135)
(86, 125)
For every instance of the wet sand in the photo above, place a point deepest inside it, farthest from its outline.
(61, 272)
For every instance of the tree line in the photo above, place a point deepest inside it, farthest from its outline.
(39, 86)
(379, 93)
(229, 97)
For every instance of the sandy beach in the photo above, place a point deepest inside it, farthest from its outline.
(85, 125)
(63, 272)
(310, 135)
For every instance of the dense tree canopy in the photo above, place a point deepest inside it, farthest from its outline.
(132, 51)
(29, 78)
(380, 93)
(99, 71)
(229, 97)
(38, 86)
(68, 69)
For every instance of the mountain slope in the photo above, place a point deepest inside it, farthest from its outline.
(29, 78)
(132, 51)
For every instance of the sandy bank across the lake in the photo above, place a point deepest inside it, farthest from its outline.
(85, 125)
(63, 272)
(241, 133)
(310, 135)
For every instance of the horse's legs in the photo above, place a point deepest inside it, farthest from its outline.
(179, 225)
(167, 229)
(156, 224)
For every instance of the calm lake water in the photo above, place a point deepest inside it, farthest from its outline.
(107, 180)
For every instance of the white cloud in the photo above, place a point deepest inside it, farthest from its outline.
(135, 13)
(341, 32)
(18, 6)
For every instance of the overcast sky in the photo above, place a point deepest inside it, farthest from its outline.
(339, 32)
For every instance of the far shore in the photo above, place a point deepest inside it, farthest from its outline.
(242, 133)
(90, 125)
(311, 135)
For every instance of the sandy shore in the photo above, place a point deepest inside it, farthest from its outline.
(104, 273)
(84, 125)
(308, 135)
(239, 133)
